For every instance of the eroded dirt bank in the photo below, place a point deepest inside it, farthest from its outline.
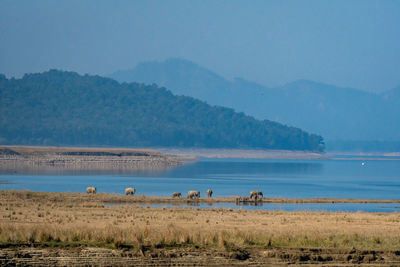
(92, 256)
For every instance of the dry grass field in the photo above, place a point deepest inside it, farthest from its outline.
(76, 222)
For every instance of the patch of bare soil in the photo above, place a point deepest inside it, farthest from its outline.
(194, 257)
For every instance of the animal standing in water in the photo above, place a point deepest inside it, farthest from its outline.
(130, 191)
(256, 195)
(91, 190)
(176, 194)
(209, 193)
(192, 194)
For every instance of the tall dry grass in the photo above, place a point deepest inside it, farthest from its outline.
(174, 236)
(63, 219)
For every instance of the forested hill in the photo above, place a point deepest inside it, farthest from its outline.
(65, 108)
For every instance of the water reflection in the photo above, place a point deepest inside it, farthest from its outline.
(251, 203)
(43, 169)
(231, 177)
(235, 167)
(201, 168)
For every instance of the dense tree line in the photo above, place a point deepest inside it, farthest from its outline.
(65, 108)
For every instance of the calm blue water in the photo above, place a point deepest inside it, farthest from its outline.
(343, 207)
(376, 179)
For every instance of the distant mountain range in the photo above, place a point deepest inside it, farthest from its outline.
(65, 108)
(338, 114)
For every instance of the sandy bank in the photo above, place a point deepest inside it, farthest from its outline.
(83, 159)
(242, 153)
(142, 199)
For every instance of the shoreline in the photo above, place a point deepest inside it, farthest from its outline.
(110, 198)
(242, 153)
(173, 155)
(84, 159)
(276, 154)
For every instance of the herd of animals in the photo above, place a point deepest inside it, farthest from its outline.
(192, 194)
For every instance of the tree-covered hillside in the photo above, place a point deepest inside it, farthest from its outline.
(65, 108)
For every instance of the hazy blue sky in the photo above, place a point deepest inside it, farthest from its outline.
(346, 43)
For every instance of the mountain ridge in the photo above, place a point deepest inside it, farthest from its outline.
(337, 113)
(65, 108)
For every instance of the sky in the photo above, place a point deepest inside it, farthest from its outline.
(346, 43)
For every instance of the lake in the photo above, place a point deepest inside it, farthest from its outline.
(285, 178)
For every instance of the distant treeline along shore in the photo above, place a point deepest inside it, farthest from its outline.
(65, 108)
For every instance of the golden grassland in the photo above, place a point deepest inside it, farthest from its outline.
(66, 219)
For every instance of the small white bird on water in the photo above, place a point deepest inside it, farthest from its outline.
(362, 163)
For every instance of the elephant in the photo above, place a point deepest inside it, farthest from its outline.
(192, 194)
(209, 193)
(130, 191)
(91, 190)
(256, 195)
(176, 194)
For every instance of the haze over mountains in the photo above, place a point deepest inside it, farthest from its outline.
(343, 116)
(65, 108)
